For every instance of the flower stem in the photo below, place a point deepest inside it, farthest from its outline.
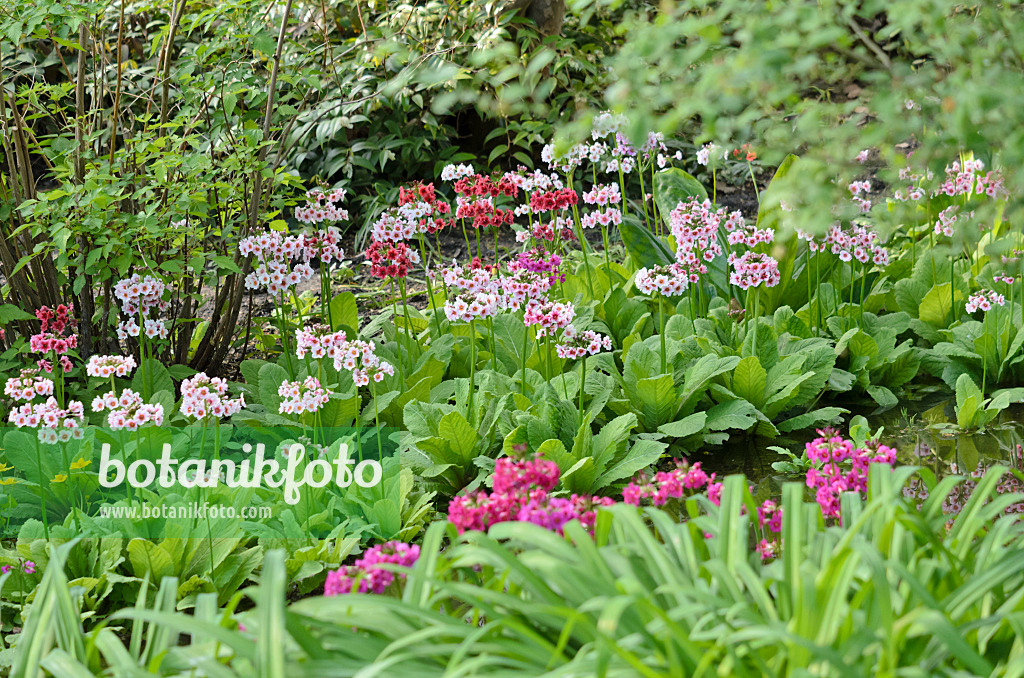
(664, 354)
(472, 370)
(526, 341)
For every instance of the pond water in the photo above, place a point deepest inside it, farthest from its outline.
(921, 431)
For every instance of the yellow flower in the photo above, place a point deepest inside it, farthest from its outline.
(5, 467)
(59, 478)
(8, 481)
(80, 464)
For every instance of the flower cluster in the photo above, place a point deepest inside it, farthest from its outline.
(106, 366)
(572, 157)
(840, 467)
(967, 179)
(482, 186)
(298, 397)
(318, 341)
(704, 154)
(476, 280)
(274, 254)
(984, 300)
(859, 191)
(753, 269)
(359, 358)
(961, 179)
(669, 281)
(28, 567)
(55, 320)
(153, 329)
(520, 491)
(535, 181)
(391, 260)
(749, 235)
(684, 479)
(467, 306)
(51, 337)
(954, 502)
(539, 261)
(55, 423)
(695, 226)
(367, 574)
(603, 195)
(404, 222)
(746, 152)
(859, 242)
(575, 345)
(27, 385)
(128, 411)
(550, 316)
(522, 284)
(323, 245)
(948, 218)
(476, 195)
(769, 519)
(203, 396)
(607, 217)
(139, 294)
(549, 201)
(320, 206)
(421, 193)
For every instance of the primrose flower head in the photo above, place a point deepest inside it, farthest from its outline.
(128, 411)
(359, 358)
(984, 300)
(576, 345)
(468, 306)
(203, 396)
(27, 385)
(550, 316)
(298, 397)
(754, 269)
(106, 366)
(669, 281)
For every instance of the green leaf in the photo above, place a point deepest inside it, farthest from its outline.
(270, 378)
(644, 248)
(461, 437)
(10, 313)
(738, 414)
(150, 557)
(749, 380)
(883, 396)
(658, 400)
(226, 263)
(152, 376)
(344, 312)
(936, 308)
(673, 186)
(685, 427)
(822, 415)
(965, 412)
(642, 454)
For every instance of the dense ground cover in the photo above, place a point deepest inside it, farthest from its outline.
(507, 454)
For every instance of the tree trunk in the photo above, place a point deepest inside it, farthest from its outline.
(547, 14)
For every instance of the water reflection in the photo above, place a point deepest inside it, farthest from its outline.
(924, 434)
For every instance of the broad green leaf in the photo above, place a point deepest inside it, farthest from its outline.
(672, 186)
(459, 434)
(738, 414)
(344, 312)
(822, 415)
(644, 248)
(686, 426)
(749, 380)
